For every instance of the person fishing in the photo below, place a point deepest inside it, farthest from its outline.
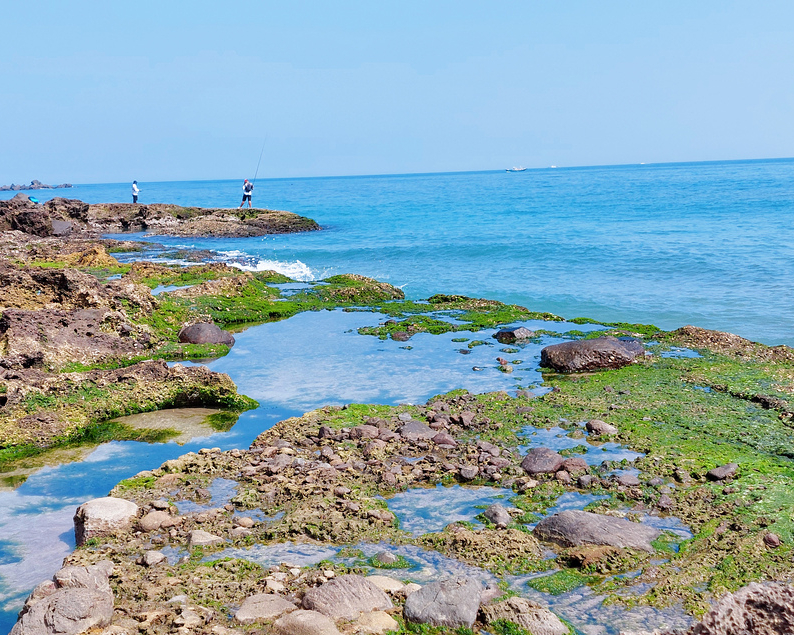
(135, 191)
(248, 188)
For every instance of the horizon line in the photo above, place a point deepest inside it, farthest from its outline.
(447, 172)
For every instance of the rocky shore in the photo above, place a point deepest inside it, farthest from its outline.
(708, 415)
(75, 219)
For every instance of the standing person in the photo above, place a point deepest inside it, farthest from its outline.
(248, 188)
(135, 191)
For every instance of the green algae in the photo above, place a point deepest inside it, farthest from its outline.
(561, 582)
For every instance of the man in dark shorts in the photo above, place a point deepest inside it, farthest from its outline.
(248, 188)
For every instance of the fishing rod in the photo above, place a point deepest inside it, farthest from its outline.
(260, 161)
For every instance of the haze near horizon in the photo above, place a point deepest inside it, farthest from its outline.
(177, 91)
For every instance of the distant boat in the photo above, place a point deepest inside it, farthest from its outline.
(515, 169)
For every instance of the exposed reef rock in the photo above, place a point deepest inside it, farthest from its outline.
(73, 218)
(587, 355)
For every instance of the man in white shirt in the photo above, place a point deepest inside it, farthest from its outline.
(135, 191)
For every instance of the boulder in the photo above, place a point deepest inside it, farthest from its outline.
(596, 426)
(763, 609)
(498, 515)
(262, 607)
(386, 584)
(628, 480)
(94, 577)
(575, 464)
(528, 615)
(103, 517)
(304, 623)
(723, 472)
(451, 602)
(376, 623)
(542, 461)
(67, 612)
(444, 438)
(417, 431)
(469, 472)
(346, 597)
(205, 333)
(585, 355)
(575, 528)
(508, 336)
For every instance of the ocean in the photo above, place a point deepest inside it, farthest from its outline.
(709, 244)
(702, 243)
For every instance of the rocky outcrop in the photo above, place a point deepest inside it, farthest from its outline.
(71, 217)
(452, 602)
(103, 517)
(575, 528)
(204, 333)
(587, 355)
(35, 184)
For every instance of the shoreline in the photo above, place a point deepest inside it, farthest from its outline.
(736, 372)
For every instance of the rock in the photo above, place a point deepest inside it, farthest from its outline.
(575, 528)
(201, 538)
(542, 461)
(103, 517)
(244, 521)
(508, 336)
(585, 481)
(94, 577)
(262, 607)
(723, 472)
(628, 480)
(528, 615)
(772, 540)
(304, 623)
(596, 426)
(760, 609)
(154, 521)
(67, 612)
(384, 557)
(205, 333)
(444, 438)
(498, 515)
(665, 502)
(563, 477)
(345, 597)
(469, 472)
(586, 355)
(376, 623)
(364, 432)
(575, 464)
(452, 602)
(152, 558)
(386, 584)
(417, 431)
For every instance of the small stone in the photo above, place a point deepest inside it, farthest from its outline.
(376, 623)
(596, 426)
(154, 521)
(385, 557)
(201, 538)
(542, 461)
(628, 480)
(575, 464)
(409, 588)
(240, 532)
(665, 502)
(772, 540)
(585, 481)
(152, 558)
(275, 586)
(723, 472)
(508, 336)
(498, 515)
(304, 623)
(244, 521)
(563, 477)
(469, 472)
(387, 584)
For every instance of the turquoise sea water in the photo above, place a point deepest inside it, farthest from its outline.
(710, 244)
(707, 244)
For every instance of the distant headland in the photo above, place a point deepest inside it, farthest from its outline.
(34, 185)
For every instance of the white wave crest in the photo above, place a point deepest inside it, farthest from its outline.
(295, 270)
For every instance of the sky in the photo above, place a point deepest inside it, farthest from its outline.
(155, 91)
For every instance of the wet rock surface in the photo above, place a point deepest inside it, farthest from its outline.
(588, 355)
(573, 528)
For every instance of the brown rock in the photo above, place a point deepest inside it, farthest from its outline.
(346, 597)
(542, 461)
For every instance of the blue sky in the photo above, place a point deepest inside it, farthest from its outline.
(111, 91)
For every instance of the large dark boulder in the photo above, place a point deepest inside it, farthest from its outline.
(586, 355)
(575, 528)
(451, 602)
(205, 333)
